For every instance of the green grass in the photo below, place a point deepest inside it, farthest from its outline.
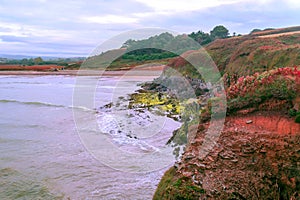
(247, 55)
(174, 187)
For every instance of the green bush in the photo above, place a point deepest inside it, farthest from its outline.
(292, 112)
(297, 119)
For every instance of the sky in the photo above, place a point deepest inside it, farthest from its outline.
(69, 28)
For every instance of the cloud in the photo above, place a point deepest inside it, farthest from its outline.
(293, 4)
(109, 19)
(174, 6)
(43, 26)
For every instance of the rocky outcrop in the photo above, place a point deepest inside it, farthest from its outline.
(257, 156)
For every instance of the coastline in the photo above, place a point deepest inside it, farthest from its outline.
(84, 73)
(136, 71)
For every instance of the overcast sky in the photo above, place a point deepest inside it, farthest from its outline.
(75, 27)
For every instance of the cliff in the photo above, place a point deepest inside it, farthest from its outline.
(257, 160)
(257, 154)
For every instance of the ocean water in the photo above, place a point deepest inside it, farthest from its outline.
(44, 153)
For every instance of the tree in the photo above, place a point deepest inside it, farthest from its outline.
(219, 32)
(201, 37)
(128, 43)
(38, 60)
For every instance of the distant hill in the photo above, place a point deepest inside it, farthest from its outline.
(46, 58)
(16, 57)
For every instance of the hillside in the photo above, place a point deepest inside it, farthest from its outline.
(256, 155)
(256, 52)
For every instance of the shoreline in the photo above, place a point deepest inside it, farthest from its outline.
(65, 136)
(132, 72)
(142, 70)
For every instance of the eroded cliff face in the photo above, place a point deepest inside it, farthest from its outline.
(257, 156)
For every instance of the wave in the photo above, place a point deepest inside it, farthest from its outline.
(30, 103)
(121, 135)
(23, 82)
(36, 103)
(83, 108)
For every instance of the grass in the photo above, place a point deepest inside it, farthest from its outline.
(173, 187)
(250, 54)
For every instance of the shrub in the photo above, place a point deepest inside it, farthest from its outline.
(292, 112)
(281, 84)
(297, 119)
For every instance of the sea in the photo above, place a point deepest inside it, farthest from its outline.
(54, 145)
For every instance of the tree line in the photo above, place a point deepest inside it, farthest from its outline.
(166, 45)
(41, 61)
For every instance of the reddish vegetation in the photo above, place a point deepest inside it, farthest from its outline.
(177, 62)
(180, 61)
(246, 85)
(33, 67)
(272, 32)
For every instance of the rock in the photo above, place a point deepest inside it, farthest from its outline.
(226, 155)
(187, 174)
(263, 150)
(246, 111)
(296, 103)
(210, 158)
(189, 156)
(248, 149)
(248, 162)
(200, 165)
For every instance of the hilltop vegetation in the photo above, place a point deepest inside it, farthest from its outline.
(166, 45)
